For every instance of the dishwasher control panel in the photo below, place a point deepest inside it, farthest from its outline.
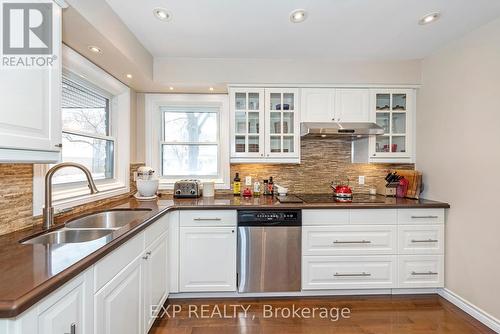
(270, 217)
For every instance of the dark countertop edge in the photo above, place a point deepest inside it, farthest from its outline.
(13, 308)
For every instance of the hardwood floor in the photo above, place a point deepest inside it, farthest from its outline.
(422, 314)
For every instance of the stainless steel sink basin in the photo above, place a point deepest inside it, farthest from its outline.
(65, 236)
(112, 219)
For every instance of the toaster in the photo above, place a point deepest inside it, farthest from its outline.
(187, 189)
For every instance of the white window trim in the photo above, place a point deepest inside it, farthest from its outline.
(67, 196)
(153, 128)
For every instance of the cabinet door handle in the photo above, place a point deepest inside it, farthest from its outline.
(425, 240)
(72, 329)
(148, 253)
(145, 257)
(352, 242)
(363, 274)
(424, 217)
(207, 219)
(425, 273)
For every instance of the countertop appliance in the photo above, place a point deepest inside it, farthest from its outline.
(187, 189)
(269, 250)
(330, 198)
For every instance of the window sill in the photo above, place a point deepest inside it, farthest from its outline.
(167, 184)
(69, 198)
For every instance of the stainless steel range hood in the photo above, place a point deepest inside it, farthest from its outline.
(334, 129)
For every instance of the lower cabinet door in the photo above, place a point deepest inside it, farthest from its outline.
(348, 272)
(207, 259)
(118, 305)
(65, 316)
(155, 280)
(421, 271)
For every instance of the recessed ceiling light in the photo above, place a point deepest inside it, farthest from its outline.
(94, 49)
(162, 14)
(298, 15)
(429, 18)
(129, 76)
(211, 89)
(171, 88)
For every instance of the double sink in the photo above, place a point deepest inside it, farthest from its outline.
(90, 227)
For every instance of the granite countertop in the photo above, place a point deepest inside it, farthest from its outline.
(31, 272)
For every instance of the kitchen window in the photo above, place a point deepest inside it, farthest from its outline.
(95, 111)
(189, 137)
(86, 130)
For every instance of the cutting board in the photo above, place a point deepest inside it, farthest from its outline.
(414, 178)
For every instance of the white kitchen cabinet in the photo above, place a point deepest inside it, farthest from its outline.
(30, 117)
(393, 110)
(155, 279)
(207, 259)
(352, 105)
(118, 306)
(335, 104)
(265, 125)
(317, 104)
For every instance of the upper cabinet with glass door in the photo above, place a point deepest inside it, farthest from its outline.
(394, 111)
(264, 125)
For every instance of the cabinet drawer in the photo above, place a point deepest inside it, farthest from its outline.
(421, 271)
(420, 216)
(349, 240)
(374, 216)
(348, 272)
(421, 239)
(325, 217)
(208, 218)
(113, 263)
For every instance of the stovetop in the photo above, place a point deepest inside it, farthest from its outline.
(330, 198)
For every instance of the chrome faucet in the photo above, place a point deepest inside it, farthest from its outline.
(48, 210)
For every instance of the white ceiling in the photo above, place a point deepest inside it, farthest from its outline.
(335, 29)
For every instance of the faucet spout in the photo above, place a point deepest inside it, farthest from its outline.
(48, 210)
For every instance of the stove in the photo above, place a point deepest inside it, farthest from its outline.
(330, 198)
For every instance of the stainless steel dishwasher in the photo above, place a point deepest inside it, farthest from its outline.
(269, 250)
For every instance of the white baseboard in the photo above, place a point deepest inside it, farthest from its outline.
(474, 311)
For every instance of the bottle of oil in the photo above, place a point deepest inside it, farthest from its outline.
(237, 185)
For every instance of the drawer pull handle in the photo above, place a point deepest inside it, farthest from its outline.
(424, 217)
(352, 242)
(415, 273)
(72, 329)
(207, 219)
(363, 274)
(426, 240)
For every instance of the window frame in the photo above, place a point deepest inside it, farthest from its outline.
(77, 193)
(155, 139)
(111, 133)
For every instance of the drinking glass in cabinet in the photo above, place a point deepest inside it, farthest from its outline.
(275, 144)
(382, 144)
(287, 122)
(240, 144)
(399, 123)
(383, 101)
(399, 102)
(275, 101)
(275, 125)
(383, 120)
(253, 122)
(398, 144)
(288, 144)
(288, 101)
(253, 101)
(253, 144)
(241, 101)
(240, 119)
